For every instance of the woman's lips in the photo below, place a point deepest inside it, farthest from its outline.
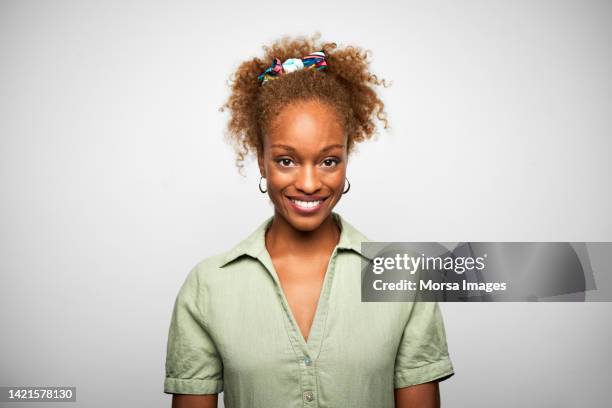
(306, 207)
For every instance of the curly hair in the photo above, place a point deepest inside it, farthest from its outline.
(346, 84)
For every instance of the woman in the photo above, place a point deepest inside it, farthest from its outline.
(278, 321)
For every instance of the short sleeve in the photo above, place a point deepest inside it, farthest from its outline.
(423, 353)
(193, 365)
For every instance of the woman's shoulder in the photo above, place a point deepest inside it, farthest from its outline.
(249, 247)
(210, 272)
(211, 263)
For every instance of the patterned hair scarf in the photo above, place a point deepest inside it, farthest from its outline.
(316, 60)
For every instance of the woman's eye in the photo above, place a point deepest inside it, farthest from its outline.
(284, 162)
(330, 162)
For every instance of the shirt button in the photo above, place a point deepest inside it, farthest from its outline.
(307, 361)
(308, 396)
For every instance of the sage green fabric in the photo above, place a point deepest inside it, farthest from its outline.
(232, 331)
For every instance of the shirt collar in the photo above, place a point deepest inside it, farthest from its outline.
(254, 244)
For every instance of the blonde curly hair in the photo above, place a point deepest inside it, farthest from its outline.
(346, 84)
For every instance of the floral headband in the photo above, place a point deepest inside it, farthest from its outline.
(316, 60)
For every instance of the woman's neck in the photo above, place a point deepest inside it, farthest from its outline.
(283, 239)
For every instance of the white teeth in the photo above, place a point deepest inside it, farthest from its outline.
(306, 204)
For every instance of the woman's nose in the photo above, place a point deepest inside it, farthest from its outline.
(308, 180)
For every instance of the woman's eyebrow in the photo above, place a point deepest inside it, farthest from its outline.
(330, 147)
(325, 149)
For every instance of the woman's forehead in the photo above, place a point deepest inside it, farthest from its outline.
(306, 139)
(306, 123)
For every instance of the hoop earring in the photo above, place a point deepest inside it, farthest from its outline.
(261, 189)
(349, 186)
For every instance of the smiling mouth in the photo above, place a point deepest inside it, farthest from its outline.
(307, 205)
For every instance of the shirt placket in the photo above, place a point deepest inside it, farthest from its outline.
(306, 352)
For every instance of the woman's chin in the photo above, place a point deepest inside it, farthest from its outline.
(306, 222)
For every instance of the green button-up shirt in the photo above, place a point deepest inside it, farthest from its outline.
(233, 331)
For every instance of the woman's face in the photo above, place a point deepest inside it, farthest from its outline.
(304, 162)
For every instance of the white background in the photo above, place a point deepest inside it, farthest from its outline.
(115, 178)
